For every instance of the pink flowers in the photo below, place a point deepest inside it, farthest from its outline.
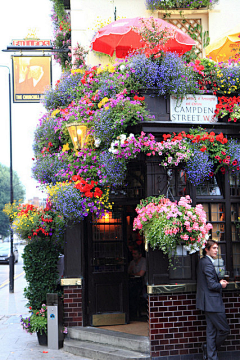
(167, 224)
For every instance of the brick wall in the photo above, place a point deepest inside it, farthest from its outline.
(72, 305)
(177, 330)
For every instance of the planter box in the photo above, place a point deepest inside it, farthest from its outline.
(159, 106)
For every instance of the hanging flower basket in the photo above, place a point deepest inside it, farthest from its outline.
(167, 224)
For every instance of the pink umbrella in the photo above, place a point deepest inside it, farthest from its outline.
(121, 36)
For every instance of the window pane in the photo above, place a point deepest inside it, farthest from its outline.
(220, 262)
(217, 212)
(236, 260)
(181, 265)
(218, 232)
(209, 187)
(234, 185)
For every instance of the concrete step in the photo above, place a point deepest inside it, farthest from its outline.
(96, 351)
(113, 338)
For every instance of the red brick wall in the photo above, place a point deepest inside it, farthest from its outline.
(177, 328)
(72, 305)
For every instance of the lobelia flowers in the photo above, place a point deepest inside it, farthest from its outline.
(167, 224)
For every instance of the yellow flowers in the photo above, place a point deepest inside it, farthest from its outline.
(110, 68)
(65, 147)
(52, 190)
(55, 112)
(11, 210)
(77, 71)
(103, 102)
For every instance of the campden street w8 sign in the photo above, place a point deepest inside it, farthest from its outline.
(193, 108)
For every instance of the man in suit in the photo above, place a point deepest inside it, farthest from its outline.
(209, 300)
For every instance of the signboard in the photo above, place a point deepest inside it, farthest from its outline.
(198, 108)
(31, 77)
(32, 42)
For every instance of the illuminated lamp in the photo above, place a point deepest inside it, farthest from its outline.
(78, 134)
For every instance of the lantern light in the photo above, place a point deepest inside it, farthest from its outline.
(78, 134)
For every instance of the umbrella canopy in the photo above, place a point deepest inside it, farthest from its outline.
(222, 48)
(121, 36)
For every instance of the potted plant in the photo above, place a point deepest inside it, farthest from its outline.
(37, 322)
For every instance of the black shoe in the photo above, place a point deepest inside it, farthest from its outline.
(204, 350)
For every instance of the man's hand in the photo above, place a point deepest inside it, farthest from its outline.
(224, 283)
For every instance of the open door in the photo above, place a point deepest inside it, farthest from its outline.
(107, 271)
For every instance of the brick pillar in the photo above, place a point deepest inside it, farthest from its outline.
(73, 305)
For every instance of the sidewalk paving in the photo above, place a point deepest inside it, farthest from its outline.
(16, 344)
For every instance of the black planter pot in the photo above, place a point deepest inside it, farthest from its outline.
(42, 338)
(224, 119)
(157, 105)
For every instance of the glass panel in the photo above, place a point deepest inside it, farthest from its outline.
(236, 260)
(206, 209)
(209, 187)
(220, 262)
(234, 184)
(181, 265)
(218, 232)
(182, 183)
(108, 255)
(218, 212)
(177, 182)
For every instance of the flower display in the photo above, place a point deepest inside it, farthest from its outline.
(228, 106)
(31, 222)
(108, 100)
(36, 322)
(227, 78)
(76, 200)
(168, 75)
(166, 224)
(201, 154)
(179, 4)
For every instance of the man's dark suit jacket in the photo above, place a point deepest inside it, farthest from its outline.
(209, 290)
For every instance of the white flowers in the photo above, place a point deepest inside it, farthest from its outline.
(122, 67)
(97, 142)
(121, 139)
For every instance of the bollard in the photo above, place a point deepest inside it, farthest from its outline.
(54, 322)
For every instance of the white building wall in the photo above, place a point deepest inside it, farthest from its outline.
(86, 13)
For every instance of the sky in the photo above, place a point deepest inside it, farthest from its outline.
(16, 18)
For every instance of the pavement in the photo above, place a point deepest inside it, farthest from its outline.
(15, 343)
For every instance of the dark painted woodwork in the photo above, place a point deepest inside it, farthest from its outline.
(74, 259)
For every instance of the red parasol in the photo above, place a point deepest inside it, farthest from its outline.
(121, 37)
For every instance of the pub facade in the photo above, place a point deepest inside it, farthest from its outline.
(97, 253)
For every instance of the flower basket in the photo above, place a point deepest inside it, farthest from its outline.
(42, 338)
(167, 224)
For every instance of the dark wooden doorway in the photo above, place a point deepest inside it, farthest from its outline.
(107, 270)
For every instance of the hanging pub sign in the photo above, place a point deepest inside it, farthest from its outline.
(193, 108)
(31, 42)
(32, 75)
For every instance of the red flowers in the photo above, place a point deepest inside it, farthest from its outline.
(227, 106)
(139, 98)
(89, 189)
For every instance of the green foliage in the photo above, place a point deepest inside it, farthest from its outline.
(40, 265)
(36, 322)
(18, 193)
